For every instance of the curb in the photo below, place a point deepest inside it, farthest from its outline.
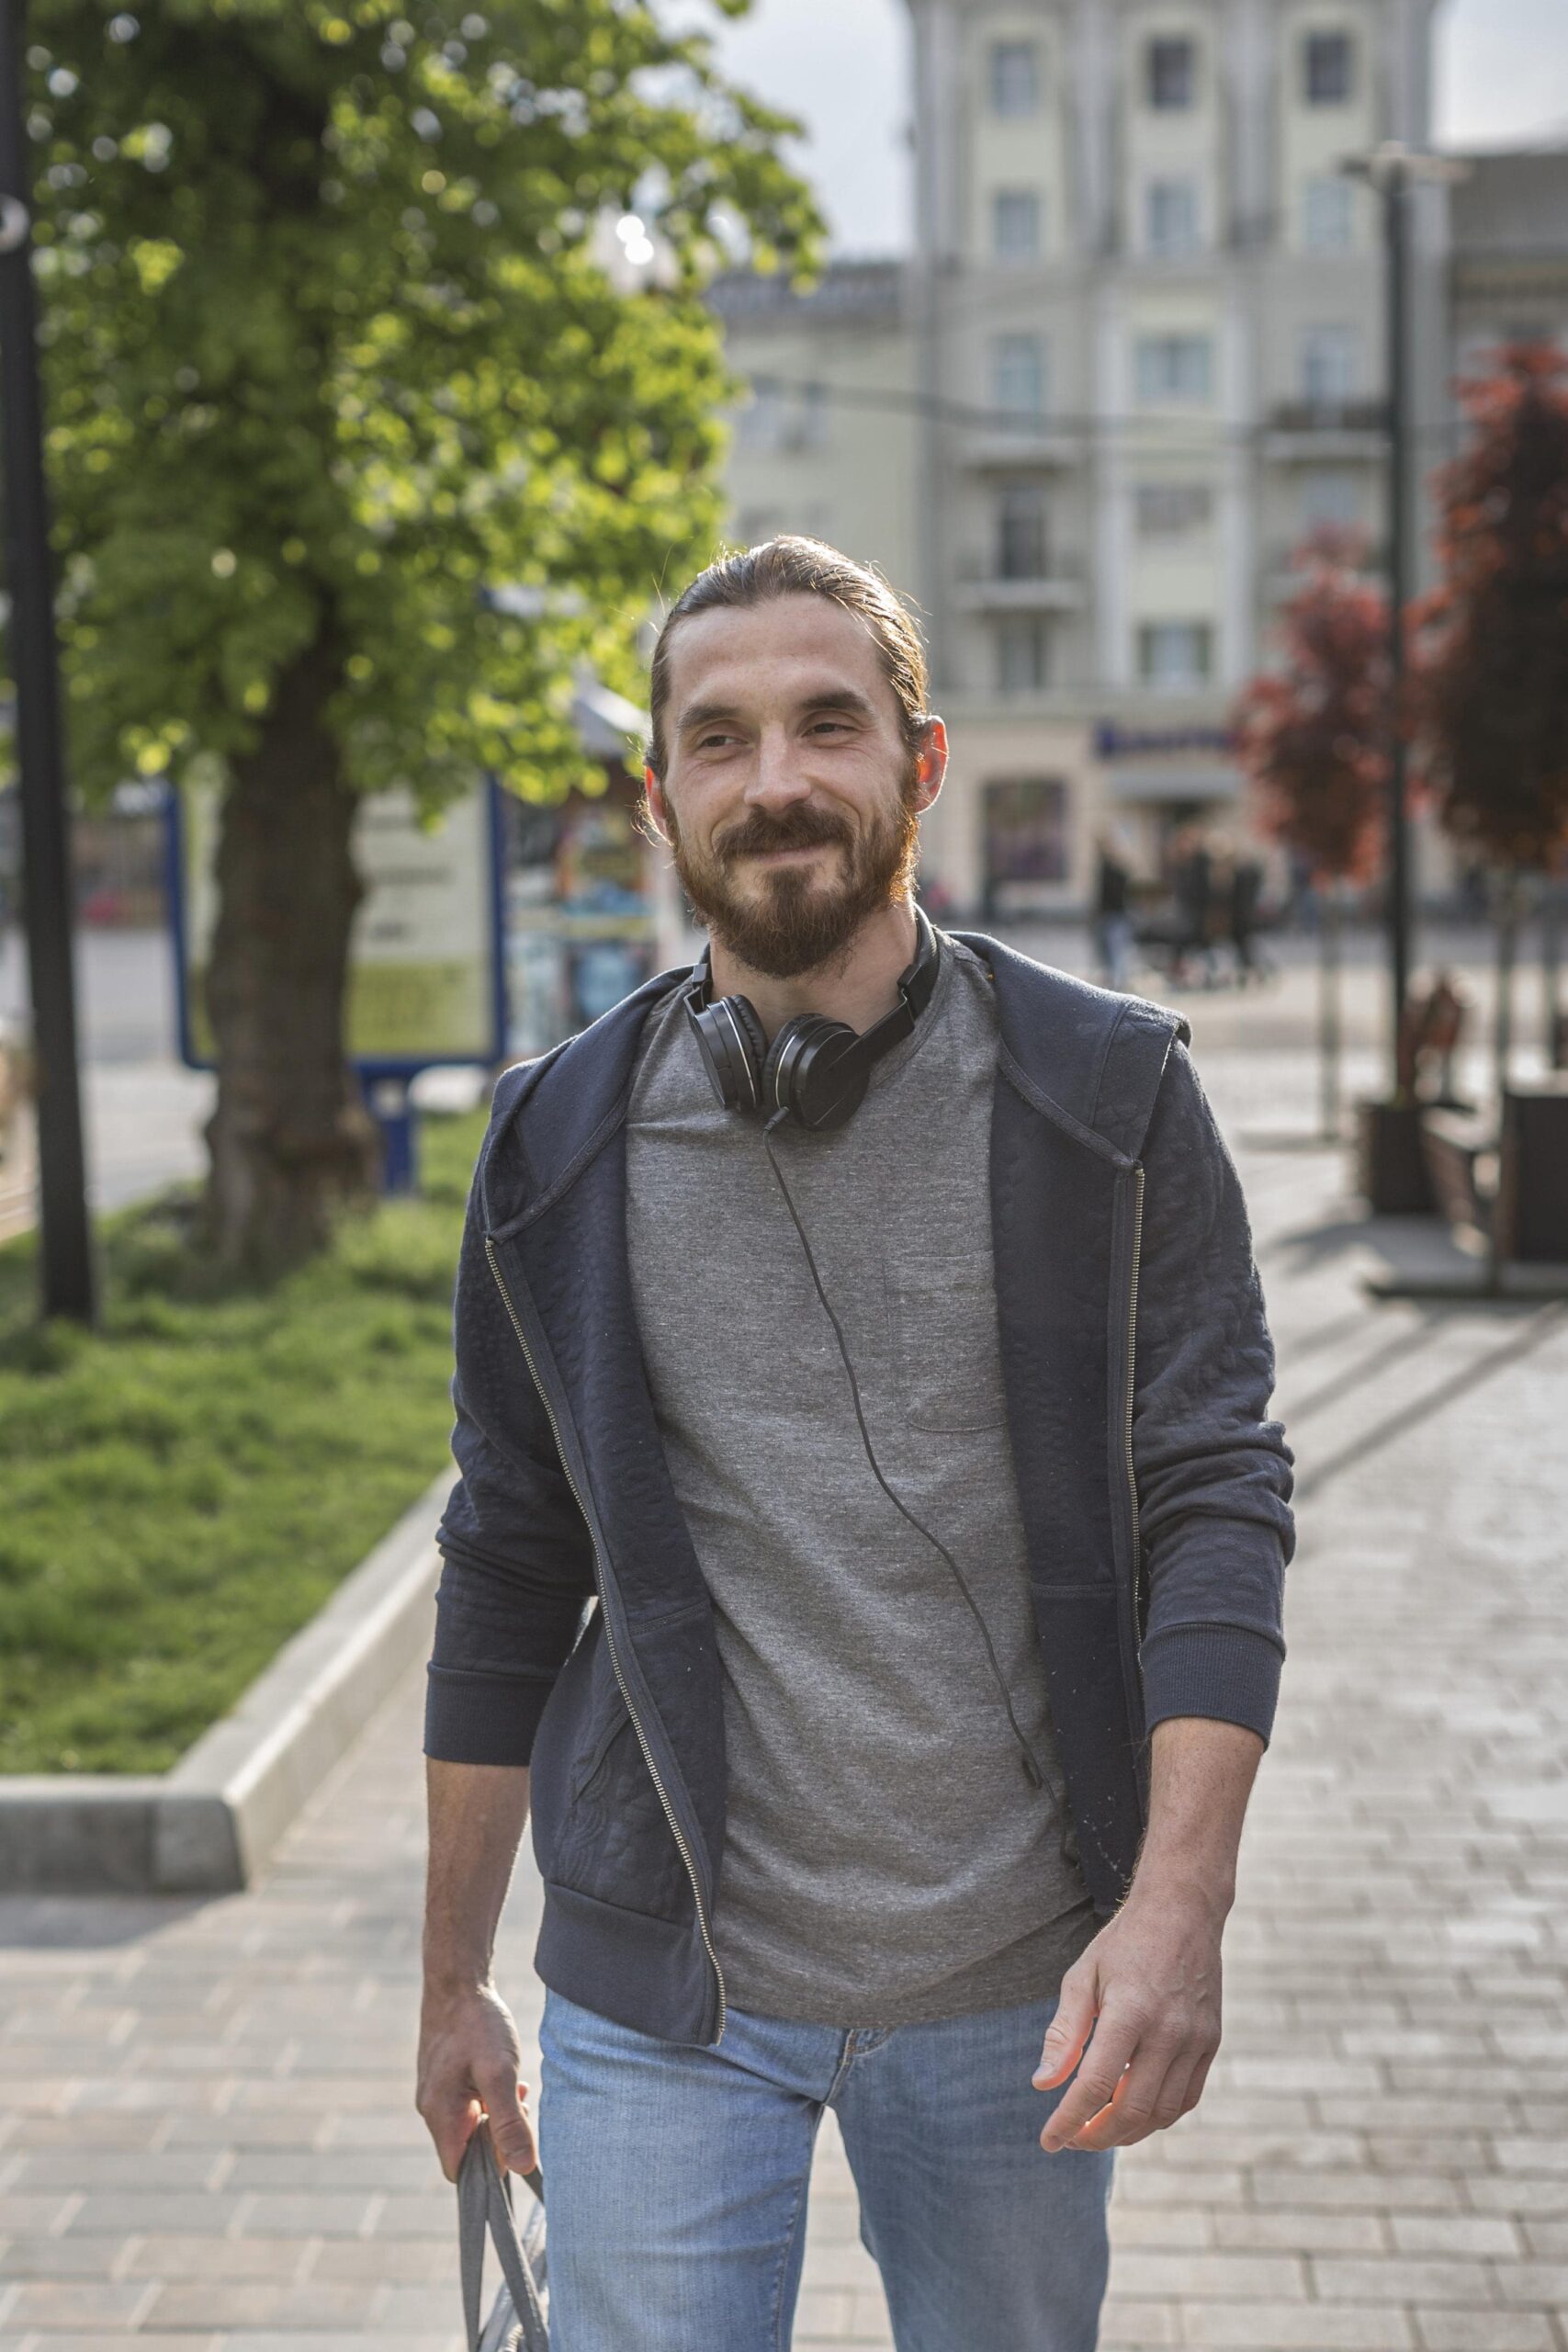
(208, 1825)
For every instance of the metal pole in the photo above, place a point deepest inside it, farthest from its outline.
(66, 1267)
(1396, 225)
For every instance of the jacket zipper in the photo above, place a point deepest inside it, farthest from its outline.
(599, 1578)
(1137, 1546)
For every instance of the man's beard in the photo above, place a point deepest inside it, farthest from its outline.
(794, 923)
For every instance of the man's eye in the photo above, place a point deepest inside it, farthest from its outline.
(833, 725)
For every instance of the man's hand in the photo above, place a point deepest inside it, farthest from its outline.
(471, 2064)
(1148, 1986)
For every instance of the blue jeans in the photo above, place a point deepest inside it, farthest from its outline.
(675, 2178)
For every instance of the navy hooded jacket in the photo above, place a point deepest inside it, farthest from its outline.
(1137, 1368)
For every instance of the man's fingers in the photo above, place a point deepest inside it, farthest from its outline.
(451, 2130)
(511, 2131)
(1146, 2100)
(1105, 2062)
(1138, 2102)
(1067, 2031)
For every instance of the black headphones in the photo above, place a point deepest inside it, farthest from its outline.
(817, 1070)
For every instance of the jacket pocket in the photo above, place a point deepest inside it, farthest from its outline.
(592, 1767)
(943, 1314)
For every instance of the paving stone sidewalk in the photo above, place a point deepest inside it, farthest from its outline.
(206, 2139)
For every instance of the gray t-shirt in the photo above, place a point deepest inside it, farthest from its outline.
(887, 1861)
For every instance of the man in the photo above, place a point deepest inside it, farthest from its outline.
(916, 1455)
(1115, 934)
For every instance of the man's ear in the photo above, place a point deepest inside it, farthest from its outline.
(931, 763)
(653, 804)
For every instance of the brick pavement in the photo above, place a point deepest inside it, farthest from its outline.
(205, 2135)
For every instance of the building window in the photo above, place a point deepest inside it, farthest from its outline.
(1018, 374)
(1024, 840)
(1015, 225)
(1329, 365)
(1020, 653)
(1021, 532)
(1331, 500)
(1173, 510)
(761, 424)
(811, 427)
(784, 416)
(1173, 366)
(1327, 71)
(1015, 77)
(1170, 216)
(1327, 220)
(1174, 657)
(1171, 76)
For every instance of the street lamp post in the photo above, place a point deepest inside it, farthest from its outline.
(66, 1269)
(1390, 170)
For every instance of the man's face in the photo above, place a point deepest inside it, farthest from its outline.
(790, 797)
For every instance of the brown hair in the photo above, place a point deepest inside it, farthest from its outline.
(793, 566)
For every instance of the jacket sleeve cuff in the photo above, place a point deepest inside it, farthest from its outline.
(482, 1718)
(1227, 1672)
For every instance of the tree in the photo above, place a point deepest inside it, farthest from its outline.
(337, 335)
(1492, 641)
(1310, 736)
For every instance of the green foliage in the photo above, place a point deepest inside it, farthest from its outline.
(337, 339)
(182, 1490)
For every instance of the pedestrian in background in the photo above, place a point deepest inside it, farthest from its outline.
(1114, 928)
(1192, 879)
(1246, 898)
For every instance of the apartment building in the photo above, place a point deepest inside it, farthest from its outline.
(1508, 253)
(1137, 357)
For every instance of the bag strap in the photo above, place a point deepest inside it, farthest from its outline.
(484, 2208)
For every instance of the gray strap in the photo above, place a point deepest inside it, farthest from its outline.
(484, 2208)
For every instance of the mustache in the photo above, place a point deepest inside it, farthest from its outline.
(799, 827)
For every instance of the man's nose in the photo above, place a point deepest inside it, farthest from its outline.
(777, 781)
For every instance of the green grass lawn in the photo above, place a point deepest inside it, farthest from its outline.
(182, 1489)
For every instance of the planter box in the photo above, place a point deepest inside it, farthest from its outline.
(1533, 1204)
(1391, 1166)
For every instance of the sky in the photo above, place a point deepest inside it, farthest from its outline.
(842, 66)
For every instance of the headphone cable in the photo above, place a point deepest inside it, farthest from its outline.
(1031, 1770)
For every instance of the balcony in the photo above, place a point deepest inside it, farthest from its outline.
(1056, 586)
(1311, 431)
(1032, 443)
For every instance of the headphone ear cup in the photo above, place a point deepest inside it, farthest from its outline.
(818, 1072)
(751, 1029)
(734, 1046)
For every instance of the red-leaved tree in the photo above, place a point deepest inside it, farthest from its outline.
(1491, 674)
(1312, 735)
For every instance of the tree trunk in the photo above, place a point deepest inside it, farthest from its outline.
(291, 1141)
(1330, 1029)
(1508, 949)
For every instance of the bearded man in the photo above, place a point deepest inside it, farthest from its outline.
(866, 1322)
